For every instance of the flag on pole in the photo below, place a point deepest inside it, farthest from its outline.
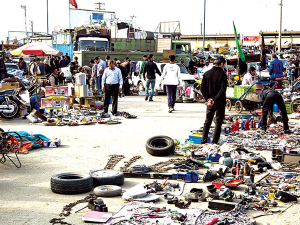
(241, 53)
(73, 3)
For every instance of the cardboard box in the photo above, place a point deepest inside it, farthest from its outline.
(80, 79)
(89, 102)
(62, 91)
(9, 85)
(59, 103)
(196, 138)
(52, 143)
(81, 90)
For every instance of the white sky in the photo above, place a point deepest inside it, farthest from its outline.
(250, 16)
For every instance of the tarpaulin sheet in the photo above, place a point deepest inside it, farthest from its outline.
(35, 139)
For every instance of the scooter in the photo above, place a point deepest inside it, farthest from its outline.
(198, 94)
(10, 103)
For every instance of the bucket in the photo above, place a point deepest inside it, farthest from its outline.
(275, 108)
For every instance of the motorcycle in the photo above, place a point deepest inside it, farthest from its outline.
(10, 103)
(197, 85)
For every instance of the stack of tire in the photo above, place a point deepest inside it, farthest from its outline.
(106, 183)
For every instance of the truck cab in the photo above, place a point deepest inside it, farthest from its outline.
(92, 44)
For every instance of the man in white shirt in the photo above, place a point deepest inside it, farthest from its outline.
(172, 77)
(247, 79)
(34, 68)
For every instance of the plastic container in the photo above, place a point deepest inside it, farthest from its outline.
(275, 108)
(226, 159)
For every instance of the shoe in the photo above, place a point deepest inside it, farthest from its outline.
(170, 110)
(288, 132)
(116, 114)
(150, 100)
(105, 115)
(146, 97)
(173, 109)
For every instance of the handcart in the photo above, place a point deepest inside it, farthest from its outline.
(249, 99)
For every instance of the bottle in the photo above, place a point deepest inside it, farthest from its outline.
(232, 127)
(226, 159)
(237, 125)
(243, 125)
(247, 124)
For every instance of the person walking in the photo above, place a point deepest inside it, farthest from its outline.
(112, 84)
(150, 68)
(171, 76)
(213, 89)
(100, 70)
(267, 99)
(276, 68)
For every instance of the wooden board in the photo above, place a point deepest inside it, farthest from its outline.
(166, 54)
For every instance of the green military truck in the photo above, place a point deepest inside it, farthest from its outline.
(88, 46)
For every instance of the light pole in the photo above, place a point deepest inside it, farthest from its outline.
(24, 7)
(204, 26)
(47, 24)
(279, 47)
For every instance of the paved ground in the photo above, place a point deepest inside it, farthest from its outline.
(25, 194)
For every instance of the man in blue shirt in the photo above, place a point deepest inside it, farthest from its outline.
(112, 83)
(276, 68)
(100, 69)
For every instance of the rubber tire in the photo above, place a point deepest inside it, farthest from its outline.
(296, 102)
(168, 148)
(107, 177)
(14, 115)
(78, 184)
(228, 104)
(238, 109)
(107, 191)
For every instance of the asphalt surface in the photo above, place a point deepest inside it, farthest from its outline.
(25, 193)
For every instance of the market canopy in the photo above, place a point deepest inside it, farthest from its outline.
(36, 48)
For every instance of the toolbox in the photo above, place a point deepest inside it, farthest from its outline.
(227, 183)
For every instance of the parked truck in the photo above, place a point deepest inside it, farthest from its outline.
(89, 45)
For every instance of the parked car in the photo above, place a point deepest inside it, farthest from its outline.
(11, 66)
(140, 83)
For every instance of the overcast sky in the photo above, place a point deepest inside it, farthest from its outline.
(250, 16)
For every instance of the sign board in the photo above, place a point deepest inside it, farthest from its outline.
(166, 54)
(251, 38)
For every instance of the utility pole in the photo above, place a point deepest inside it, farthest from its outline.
(204, 26)
(279, 47)
(100, 6)
(31, 24)
(24, 7)
(47, 24)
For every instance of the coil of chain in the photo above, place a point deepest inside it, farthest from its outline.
(127, 164)
(161, 166)
(67, 209)
(113, 161)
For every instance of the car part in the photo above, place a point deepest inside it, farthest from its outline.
(71, 183)
(160, 146)
(228, 104)
(107, 191)
(13, 111)
(107, 177)
(127, 164)
(113, 161)
(238, 106)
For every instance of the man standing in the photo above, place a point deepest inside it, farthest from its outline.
(276, 68)
(67, 58)
(182, 63)
(171, 76)
(295, 66)
(63, 62)
(143, 63)
(93, 72)
(112, 84)
(124, 74)
(22, 65)
(267, 99)
(213, 88)
(34, 68)
(94, 78)
(100, 69)
(150, 68)
(193, 65)
(42, 68)
(53, 78)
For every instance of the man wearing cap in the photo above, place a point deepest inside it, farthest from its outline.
(112, 83)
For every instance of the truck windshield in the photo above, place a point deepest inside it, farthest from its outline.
(182, 49)
(92, 45)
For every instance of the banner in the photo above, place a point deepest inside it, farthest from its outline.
(251, 38)
(240, 51)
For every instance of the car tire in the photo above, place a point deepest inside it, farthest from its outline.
(107, 191)
(71, 183)
(107, 177)
(160, 146)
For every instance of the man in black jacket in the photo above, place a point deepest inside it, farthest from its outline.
(150, 68)
(213, 88)
(193, 65)
(267, 99)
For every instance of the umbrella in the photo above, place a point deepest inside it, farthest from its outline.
(36, 48)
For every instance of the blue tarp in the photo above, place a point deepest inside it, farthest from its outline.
(36, 139)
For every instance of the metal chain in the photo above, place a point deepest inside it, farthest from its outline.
(161, 166)
(59, 221)
(127, 164)
(113, 160)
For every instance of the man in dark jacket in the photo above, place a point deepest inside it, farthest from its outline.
(267, 99)
(150, 68)
(193, 65)
(213, 88)
(124, 75)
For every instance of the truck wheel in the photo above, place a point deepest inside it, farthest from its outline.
(71, 183)
(140, 86)
(160, 146)
(107, 191)
(107, 177)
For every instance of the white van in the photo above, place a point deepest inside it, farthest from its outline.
(138, 80)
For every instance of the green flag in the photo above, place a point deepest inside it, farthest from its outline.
(241, 53)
